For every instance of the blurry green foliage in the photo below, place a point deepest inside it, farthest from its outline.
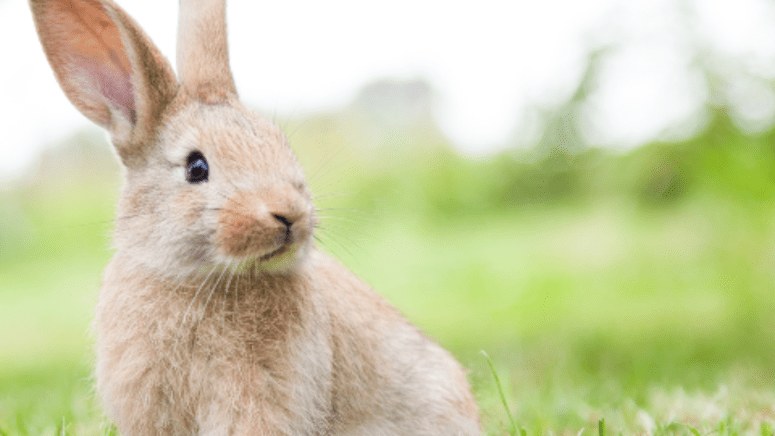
(721, 161)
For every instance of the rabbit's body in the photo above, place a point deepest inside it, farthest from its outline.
(279, 353)
(217, 315)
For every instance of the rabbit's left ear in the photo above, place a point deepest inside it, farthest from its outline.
(108, 68)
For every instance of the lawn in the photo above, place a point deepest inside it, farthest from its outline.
(637, 289)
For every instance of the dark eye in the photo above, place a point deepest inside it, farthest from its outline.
(197, 170)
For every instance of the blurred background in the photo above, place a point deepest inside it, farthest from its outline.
(582, 189)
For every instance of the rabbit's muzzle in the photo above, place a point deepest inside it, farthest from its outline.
(264, 224)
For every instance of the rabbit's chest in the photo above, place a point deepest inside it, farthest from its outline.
(197, 360)
(242, 363)
(249, 346)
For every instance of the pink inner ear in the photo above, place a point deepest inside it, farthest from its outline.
(89, 58)
(118, 89)
(107, 84)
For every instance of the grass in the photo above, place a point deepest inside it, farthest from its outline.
(656, 323)
(599, 313)
(512, 424)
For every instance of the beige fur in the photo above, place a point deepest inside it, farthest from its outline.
(217, 315)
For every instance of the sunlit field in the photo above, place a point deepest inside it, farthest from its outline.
(635, 288)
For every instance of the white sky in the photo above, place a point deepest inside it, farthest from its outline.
(491, 61)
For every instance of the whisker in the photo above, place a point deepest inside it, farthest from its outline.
(343, 218)
(210, 296)
(225, 197)
(328, 160)
(343, 209)
(180, 284)
(344, 224)
(226, 292)
(82, 225)
(196, 295)
(348, 225)
(342, 246)
(333, 195)
(331, 233)
(343, 232)
(299, 124)
(236, 297)
(323, 224)
(356, 217)
(130, 216)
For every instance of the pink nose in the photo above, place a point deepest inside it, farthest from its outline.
(256, 222)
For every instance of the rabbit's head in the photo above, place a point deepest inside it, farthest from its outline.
(208, 183)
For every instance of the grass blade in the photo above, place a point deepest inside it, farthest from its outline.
(503, 397)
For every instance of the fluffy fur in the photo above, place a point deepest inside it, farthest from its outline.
(217, 315)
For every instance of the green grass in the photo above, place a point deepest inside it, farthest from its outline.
(614, 295)
(657, 322)
(512, 424)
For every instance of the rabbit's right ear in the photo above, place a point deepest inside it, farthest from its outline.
(108, 68)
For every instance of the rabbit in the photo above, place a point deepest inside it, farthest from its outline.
(217, 314)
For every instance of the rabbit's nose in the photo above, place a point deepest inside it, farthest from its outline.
(286, 213)
(282, 203)
(288, 222)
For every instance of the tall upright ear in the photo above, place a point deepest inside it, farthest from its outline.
(108, 68)
(203, 51)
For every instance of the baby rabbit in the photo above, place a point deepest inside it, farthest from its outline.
(217, 314)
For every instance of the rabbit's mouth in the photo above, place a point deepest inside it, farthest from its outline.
(279, 252)
(281, 260)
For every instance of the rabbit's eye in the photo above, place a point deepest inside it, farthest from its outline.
(197, 169)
